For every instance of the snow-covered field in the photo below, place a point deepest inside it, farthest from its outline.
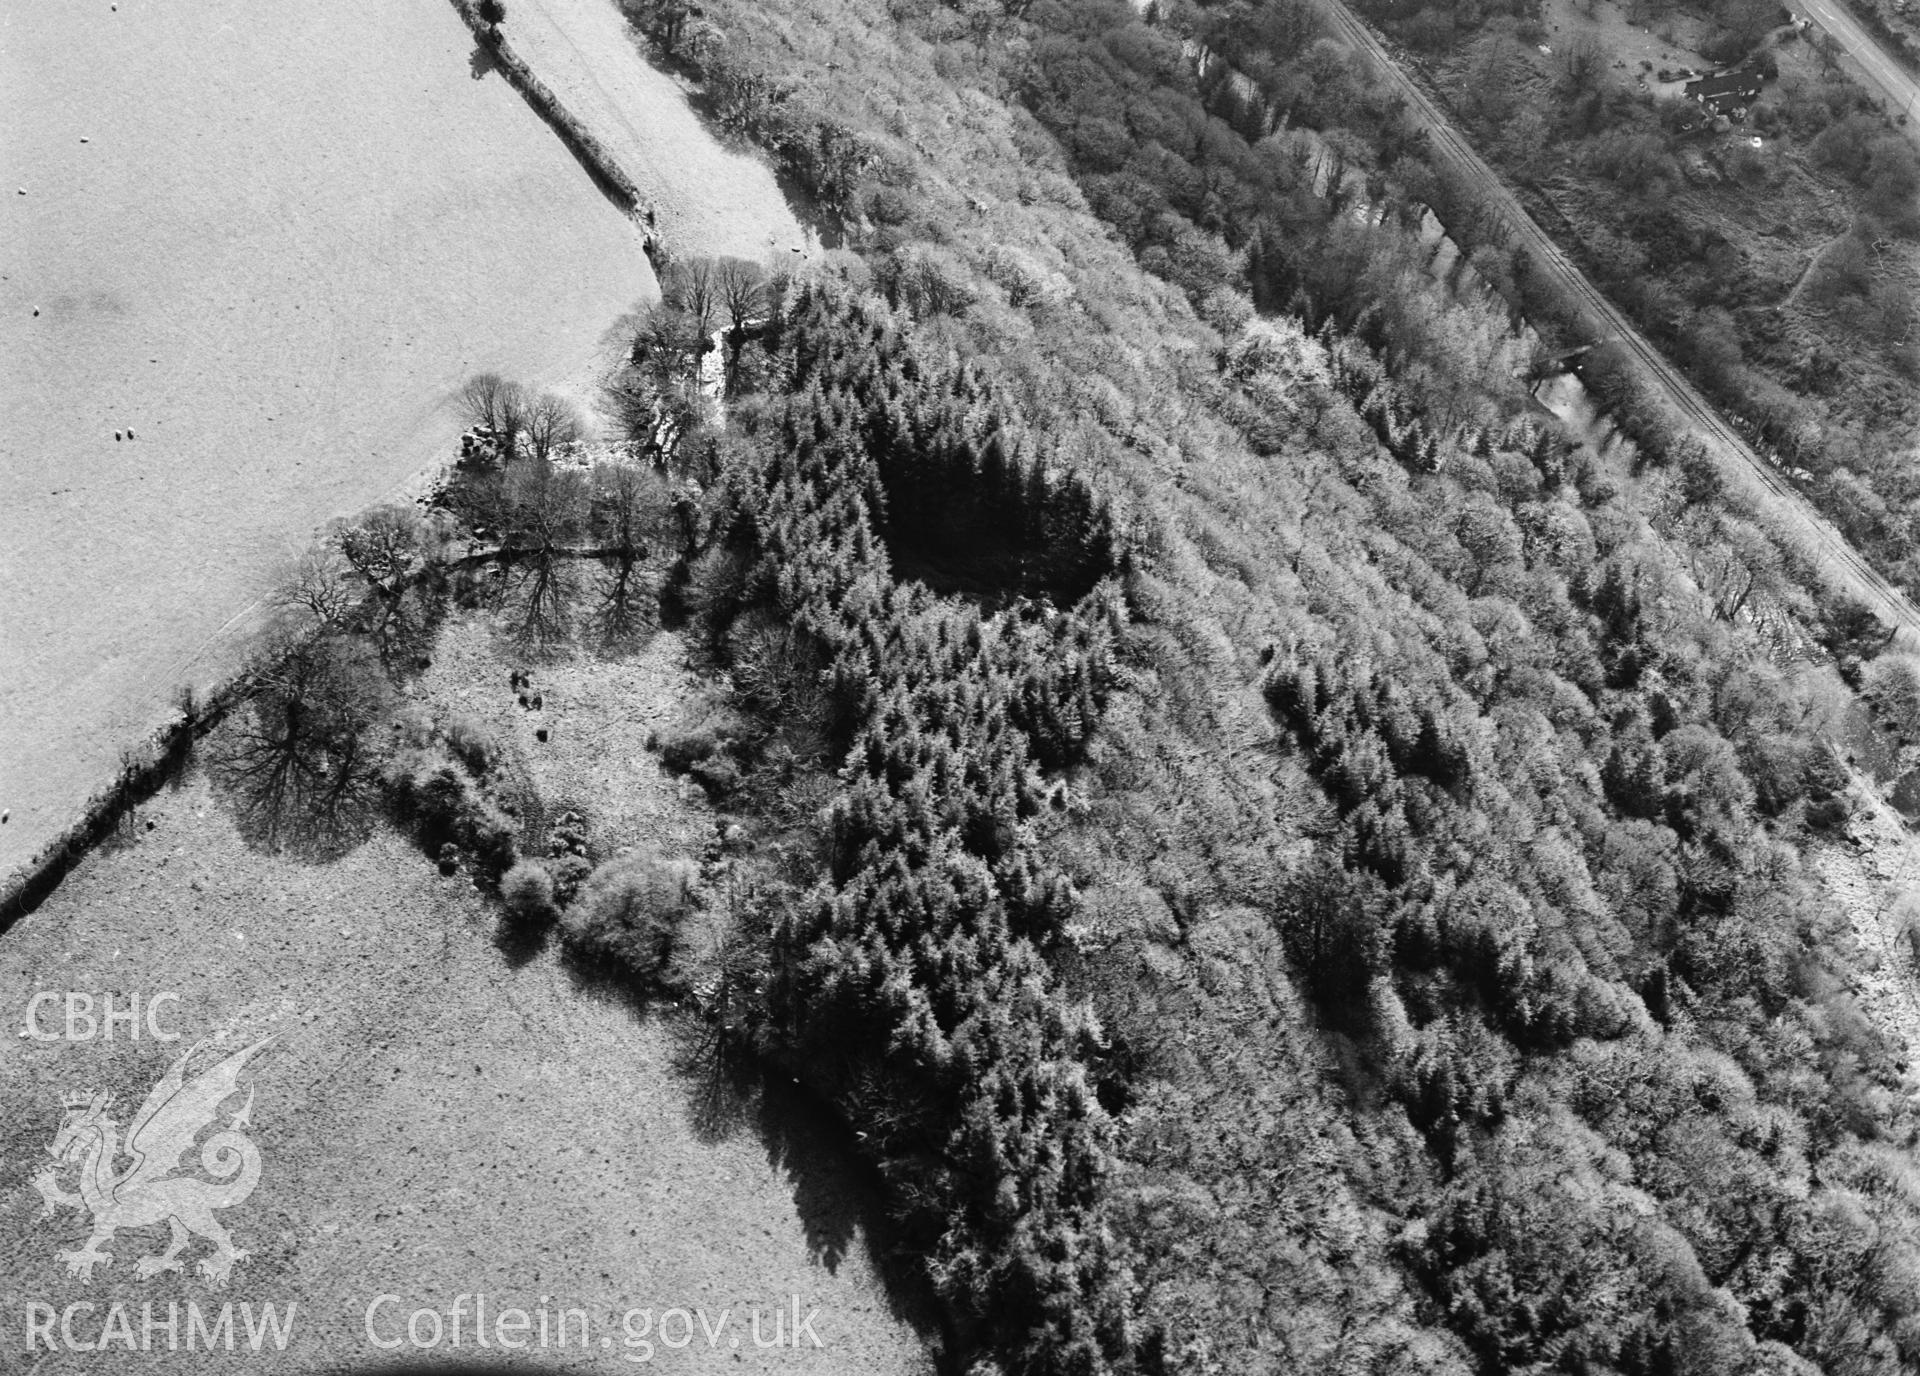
(262, 242)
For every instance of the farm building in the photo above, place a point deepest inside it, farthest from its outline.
(1729, 93)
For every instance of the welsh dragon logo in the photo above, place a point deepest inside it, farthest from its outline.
(147, 1191)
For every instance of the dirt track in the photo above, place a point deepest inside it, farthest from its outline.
(1797, 519)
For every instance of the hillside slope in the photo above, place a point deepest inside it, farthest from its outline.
(1279, 855)
(1377, 935)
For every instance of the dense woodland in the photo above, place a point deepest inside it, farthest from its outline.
(1435, 935)
(1284, 859)
(1416, 963)
(1816, 351)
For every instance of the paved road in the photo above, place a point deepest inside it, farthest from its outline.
(1603, 319)
(1883, 72)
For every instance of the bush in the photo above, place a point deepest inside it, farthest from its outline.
(527, 891)
(887, 206)
(778, 669)
(1906, 923)
(472, 744)
(1780, 767)
(630, 911)
(433, 793)
(706, 742)
(1828, 814)
(1826, 774)
(1891, 686)
(1892, 180)
(1846, 147)
(927, 280)
(1849, 629)
(1025, 281)
(1722, 47)
(682, 750)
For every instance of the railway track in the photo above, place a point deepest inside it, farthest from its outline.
(1796, 515)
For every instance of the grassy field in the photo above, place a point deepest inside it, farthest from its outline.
(708, 199)
(266, 245)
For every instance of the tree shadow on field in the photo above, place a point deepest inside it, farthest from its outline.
(728, 1089)
(481, 61)
(295, 764)
(405, 631)
(520, 939)
(837, 1197)
(605, 977)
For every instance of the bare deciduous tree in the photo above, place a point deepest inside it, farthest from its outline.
(384, 546)
(655, 398)
(630, 400)
(669, 343)
(320, 585)
(298, 760)
(1583, 60)
(779, 668)
(398, 552)
(742, 287)
(1829, 49)
(631, 509)
(693, 289)
(494, 403)
(540, 590)
(552, 423)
